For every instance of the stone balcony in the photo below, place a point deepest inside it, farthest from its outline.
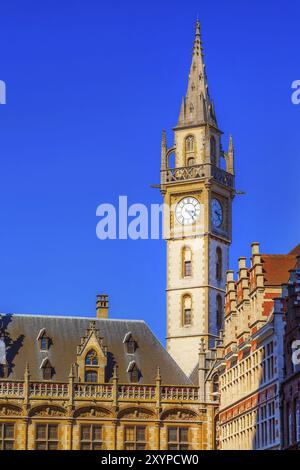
(33, 390)
(196, 172)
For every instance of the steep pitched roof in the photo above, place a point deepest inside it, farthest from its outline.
(21, 332)
(276, 267)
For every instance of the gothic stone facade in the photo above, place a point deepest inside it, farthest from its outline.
(77, 383)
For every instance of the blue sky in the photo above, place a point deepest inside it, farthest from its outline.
(90, 85)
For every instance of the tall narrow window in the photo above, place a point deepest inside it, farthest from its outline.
(215, 384)
(7, 436)
(91, 369)
(90, 437)
(178, 438)
(219, 263)
(190, 151)
(135, 438)
(219, 311)
(187, 310)
(46, 437)
(213, 150)
(186, 262)
(189, 144)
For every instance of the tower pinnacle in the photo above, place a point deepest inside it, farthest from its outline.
(197, 107)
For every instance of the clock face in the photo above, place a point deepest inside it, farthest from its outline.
(216, 213)
(187, 211)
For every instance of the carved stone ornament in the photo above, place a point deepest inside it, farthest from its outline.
(136, 414)
(48, 411)
(9, 410)
(183, 415)
(91, 412)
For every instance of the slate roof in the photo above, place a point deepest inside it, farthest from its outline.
(21, 333)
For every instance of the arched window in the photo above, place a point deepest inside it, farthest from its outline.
(186, 262)
(187, 310)
(91, 376)
(219, 263)
(219, 311)
(134, 372)
(91, 359)
(213, 150)
(189, 144)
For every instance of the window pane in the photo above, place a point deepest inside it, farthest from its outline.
(97, 446)
(91, 358)
(184, 447)
(52, 446)
(140, 434)
(40, 446)
(140, 446)
(97, 433)
(41, 431)
(172, 447)
(85, 446)
(91, 376)
(8, 431)
(8, 445)
(172, 434)
(52, 432)
(129, 434)
(183, 435)
(85, 433)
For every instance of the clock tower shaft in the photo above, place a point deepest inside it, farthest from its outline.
(198, 195)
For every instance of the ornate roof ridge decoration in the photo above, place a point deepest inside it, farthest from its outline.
(92, 329)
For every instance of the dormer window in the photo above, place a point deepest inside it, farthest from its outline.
(130, 343)
(44, 340)
(47, 369)
(134, 372)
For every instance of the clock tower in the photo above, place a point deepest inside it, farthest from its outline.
(197, 184)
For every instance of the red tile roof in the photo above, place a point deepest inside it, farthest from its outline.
(276, 267)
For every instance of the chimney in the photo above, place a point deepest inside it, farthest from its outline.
(102, 306)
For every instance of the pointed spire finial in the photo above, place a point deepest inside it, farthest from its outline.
(202, 346)
(27, 371)
(197, 107)
(230, 157)
(115, 376)
(71, 374)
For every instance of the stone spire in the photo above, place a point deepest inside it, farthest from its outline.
(197, 107)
